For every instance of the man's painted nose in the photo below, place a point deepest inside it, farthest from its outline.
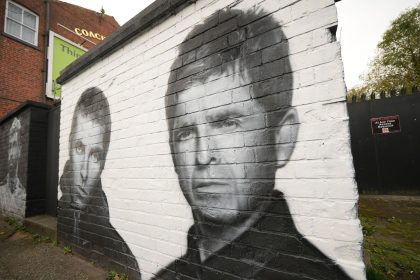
(85, 168)
(204, 155)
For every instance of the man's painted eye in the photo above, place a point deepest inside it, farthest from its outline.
(184, 134)
(95, 157)
(228, 123)
(79, 148)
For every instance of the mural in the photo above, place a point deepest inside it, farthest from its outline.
(229, 155)
(12, 192)
(226, 160)
(83, 207)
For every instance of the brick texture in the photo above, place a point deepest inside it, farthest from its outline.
(16, 207)
(146, 204)
(22, 65)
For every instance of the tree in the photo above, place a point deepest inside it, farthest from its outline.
(397, 62)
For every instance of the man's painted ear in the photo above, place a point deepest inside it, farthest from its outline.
(286, 136)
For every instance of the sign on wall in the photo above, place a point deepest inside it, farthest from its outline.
(384, 125)
(83, 32)
(61, 52)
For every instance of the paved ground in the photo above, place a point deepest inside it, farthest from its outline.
(391, 232)
(27, 256)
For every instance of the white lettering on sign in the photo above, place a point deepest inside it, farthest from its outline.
(84, 32)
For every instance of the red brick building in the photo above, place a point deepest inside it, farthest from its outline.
(24, 32)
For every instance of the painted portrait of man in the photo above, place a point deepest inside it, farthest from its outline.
(232, 126)
(83, 207)
(12, 192)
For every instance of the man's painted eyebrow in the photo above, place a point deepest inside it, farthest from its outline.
(182, 124)
(79, 142)
(96, 149)
(223, 115)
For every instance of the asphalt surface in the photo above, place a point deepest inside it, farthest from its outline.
(28, 256)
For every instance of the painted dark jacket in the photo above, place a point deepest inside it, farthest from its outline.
(271, 249)
(91, 231)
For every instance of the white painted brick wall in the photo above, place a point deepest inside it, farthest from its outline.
(146, 204)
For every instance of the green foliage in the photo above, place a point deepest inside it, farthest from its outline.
(372, 274)
(41, 238)
(368, 226)
(67, 250)
(397, 62)
(390, 242)
(17, 226)
(46, 239)
(113, 275)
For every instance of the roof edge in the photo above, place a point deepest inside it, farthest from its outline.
(158, 10)
(22, 107)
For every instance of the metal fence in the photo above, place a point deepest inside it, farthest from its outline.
(385, 140)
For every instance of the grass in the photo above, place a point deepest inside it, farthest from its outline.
(391, 239)
(113, 275)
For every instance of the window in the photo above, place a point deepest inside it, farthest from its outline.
(21, 23)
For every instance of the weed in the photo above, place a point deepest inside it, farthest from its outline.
(372, 274)
(113, 275)
(368, 226)
(10, 221)
(17, 226)
(20, 227)
(41, 238)
(46, 239)
(67, 250)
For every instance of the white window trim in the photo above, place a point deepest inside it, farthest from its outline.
(35, 43)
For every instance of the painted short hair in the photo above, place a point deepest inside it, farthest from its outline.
(249, 43)
(94, 105)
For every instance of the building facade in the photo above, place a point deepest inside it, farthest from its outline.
(218, 147)
(26, 30)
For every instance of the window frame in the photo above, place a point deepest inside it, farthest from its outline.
(21, 24)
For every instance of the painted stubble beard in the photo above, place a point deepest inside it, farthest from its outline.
(221, 185)
(226, 194)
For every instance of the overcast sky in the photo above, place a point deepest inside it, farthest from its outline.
(361, 25)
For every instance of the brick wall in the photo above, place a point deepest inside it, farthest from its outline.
(72, 16)
(22, 182)
(295, 72)
(22, 65)
(12, 194)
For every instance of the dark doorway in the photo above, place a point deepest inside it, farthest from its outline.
(52, 161)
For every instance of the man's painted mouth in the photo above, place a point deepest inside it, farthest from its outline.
(210, 186)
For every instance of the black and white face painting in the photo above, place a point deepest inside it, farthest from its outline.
(87, 147)
(237, 133)
(14, 148)
(219, 175)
